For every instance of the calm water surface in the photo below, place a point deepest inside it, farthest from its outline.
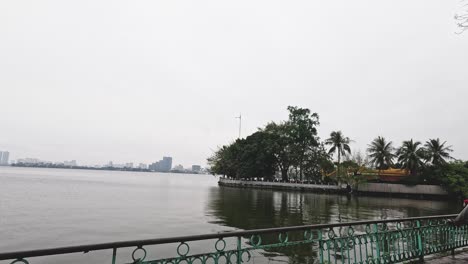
(42, 208)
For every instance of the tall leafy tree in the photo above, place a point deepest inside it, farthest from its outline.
(437, 152)
(291, 145)
(381, 153)
(246, 158)
(302, 131)
(411, 156)
(257, 158)
(317, 163)
(225, 161)
(338, 144)
(281, 146)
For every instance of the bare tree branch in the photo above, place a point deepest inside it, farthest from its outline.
(461, 18)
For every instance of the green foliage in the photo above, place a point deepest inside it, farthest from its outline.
(428, 165)
(350, 165)
(381, 153)
(452, 175)
(256, 158)
(456, 178)
(315, 163)
(281, 145)
(225, 160)
(302, 132)
(245, 158)
(436, 152)
(293, 149)
(292, 145)
(326, 164)
(411, 156)
(339, 144)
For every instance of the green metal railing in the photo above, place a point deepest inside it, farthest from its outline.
(383, 241)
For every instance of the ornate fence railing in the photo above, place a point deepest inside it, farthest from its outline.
(382, 241)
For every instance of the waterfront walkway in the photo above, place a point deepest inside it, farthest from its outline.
(365, 188)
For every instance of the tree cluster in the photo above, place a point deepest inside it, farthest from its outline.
(428, 163)
(290, 148)
(452, 175)
(411, 155)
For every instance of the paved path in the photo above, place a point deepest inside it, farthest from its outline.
(459, 258)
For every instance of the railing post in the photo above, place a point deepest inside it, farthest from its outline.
(425, 235)
(377, 240)
(320, 240)
(114, 255)
(452, 239)
(239, 250)
(420, 244)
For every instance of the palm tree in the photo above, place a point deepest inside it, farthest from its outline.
(381, 153)
(411, 155)
(437, 152)
(339, 144)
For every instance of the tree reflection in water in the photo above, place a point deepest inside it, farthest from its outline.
(253, 208)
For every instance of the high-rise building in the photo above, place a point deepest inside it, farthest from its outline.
(153, 166)
(166, 163)
(163, 165)
(4, 155)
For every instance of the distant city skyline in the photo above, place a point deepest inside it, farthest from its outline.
(136, 163)
(163, 165)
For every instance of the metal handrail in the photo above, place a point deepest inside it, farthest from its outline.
(157, 241)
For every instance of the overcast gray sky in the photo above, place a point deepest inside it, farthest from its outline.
(131, 81)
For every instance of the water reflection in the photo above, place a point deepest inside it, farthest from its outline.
(252, 208)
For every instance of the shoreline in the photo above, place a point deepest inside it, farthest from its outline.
(432, 192)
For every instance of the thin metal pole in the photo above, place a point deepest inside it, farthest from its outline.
(239, 248)
(320, 241)
(240, 124)
(420, 241)
(377, 240)
(114, 255)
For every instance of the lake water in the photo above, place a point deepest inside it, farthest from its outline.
(41, 208)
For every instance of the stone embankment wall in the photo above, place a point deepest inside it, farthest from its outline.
(399, 190)
(280, 185)
(402, 189)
